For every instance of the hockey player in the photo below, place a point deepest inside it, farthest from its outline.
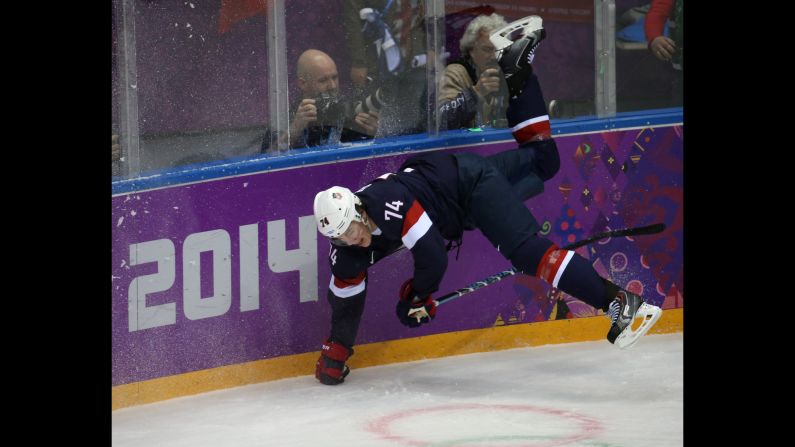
(433, 198)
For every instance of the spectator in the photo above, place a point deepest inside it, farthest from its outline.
(665, 48)
(386, 40)
(662, 47)
(401, 19)
(115, 156)
(115, 149)
(473, 91)
(322, 115)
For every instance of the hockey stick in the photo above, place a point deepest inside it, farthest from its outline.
(649, 229)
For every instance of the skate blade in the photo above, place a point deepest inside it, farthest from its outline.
(650, 314)
(500, 39)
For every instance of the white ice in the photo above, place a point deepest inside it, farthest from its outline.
(579, 394)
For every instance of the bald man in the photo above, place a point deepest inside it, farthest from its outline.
(317, 76)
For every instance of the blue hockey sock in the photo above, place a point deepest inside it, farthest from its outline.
(527, 113)
(563, 269)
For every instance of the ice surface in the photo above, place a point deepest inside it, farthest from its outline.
(580, 394)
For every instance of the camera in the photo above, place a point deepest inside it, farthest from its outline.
(381, 96)
(372, 103)
(332, 110)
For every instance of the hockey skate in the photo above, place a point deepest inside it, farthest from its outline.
(515, 56)
(623, 311)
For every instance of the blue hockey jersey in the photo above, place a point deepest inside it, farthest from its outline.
(416, 207)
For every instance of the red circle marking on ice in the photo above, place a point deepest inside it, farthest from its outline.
(589, 427)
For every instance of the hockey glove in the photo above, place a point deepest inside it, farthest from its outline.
(330, 368)
(411, 309)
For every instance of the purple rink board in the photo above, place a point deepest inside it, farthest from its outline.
(179, 265)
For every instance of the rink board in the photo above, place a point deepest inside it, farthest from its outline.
(214, 282)
(404, 350)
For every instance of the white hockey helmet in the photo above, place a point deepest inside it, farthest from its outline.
(335, 209)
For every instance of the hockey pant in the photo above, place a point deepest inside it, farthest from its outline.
(495, 205)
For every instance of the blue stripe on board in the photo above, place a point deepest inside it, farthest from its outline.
(301, 157)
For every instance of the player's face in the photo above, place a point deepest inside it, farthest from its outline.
(357, 234)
